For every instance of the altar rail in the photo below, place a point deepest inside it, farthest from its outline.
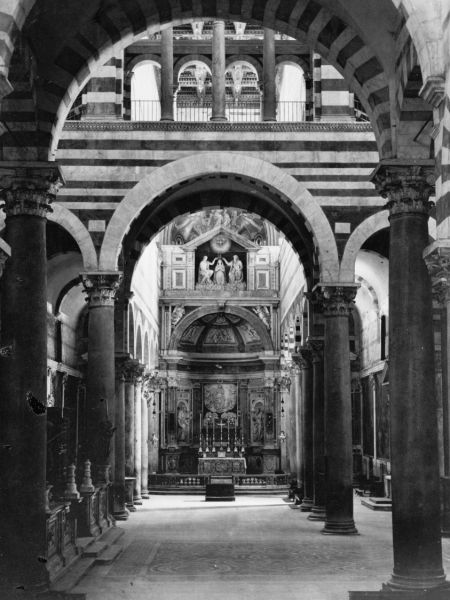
(175, 481)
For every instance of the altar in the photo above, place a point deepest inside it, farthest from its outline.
(222, 466)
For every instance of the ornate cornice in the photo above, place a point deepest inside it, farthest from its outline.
(407, 186)
(180, 126)
(101, 288)
(29, 188)
(437, 259)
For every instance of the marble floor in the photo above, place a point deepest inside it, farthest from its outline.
(256, 548)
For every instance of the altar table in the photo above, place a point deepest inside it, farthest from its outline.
(221, 466)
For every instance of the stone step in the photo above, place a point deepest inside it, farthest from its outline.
(377, 503)
(94, 549)
(112, 535)
(109, 555)
(73, 575)
(83, 542)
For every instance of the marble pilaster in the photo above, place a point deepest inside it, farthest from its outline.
(304, 360)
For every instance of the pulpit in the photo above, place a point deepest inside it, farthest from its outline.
(221, 466)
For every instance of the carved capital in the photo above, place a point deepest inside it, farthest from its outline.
(29, 188)
(101, 288)
(437, 259)
(132, 370)
(406, 186)
(337, 300)
(303, 358)
(315, 347)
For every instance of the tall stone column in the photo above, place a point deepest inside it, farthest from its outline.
(337, 302)
(297, 418)
(138, 438)
(167, 74)
(437, 258)
(414, 441)
(120, 510)
(101, 289)
(144, 441)
(307, 428)
(269, 87)
(131, 373)
(27, 190)
(218, 72)
(318, 508)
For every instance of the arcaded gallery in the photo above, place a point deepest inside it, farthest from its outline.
(224, 299)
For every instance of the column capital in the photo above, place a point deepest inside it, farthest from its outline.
(337, 299)
(5, 253)
(29, 188)
(101, 287)
(406, 185)
(437, 259)
(315, 347)
(303, 358)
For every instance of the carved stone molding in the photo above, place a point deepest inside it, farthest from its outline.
(433, 90)
(337, 300)
(101, 288)
(29, 188)
(407, 186)
(437, 259)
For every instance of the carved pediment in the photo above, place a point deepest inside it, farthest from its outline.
(220, 230)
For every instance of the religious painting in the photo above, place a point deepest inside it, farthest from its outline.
(220, 397)
(257, 421)
(183, 415)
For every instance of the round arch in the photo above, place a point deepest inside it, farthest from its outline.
(328, 32)
(234, 58)
(141, 58)
(294, 60)
(223, 163)
(244, 313)
(71, 223)
(185, 60)
(368, 227)
(364, 230)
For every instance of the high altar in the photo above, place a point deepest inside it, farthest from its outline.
(221, 466)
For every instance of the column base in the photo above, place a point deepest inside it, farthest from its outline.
(121, 515)
(219, 119)
(317, 513)
(167, 120)
(428, 584)
(145, 496)
(340, 528)
(131, 508)
(137, 499)
(306, 505)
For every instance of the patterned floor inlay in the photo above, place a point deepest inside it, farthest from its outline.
(181, 548)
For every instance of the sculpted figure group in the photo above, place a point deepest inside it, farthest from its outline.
(214, 271)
